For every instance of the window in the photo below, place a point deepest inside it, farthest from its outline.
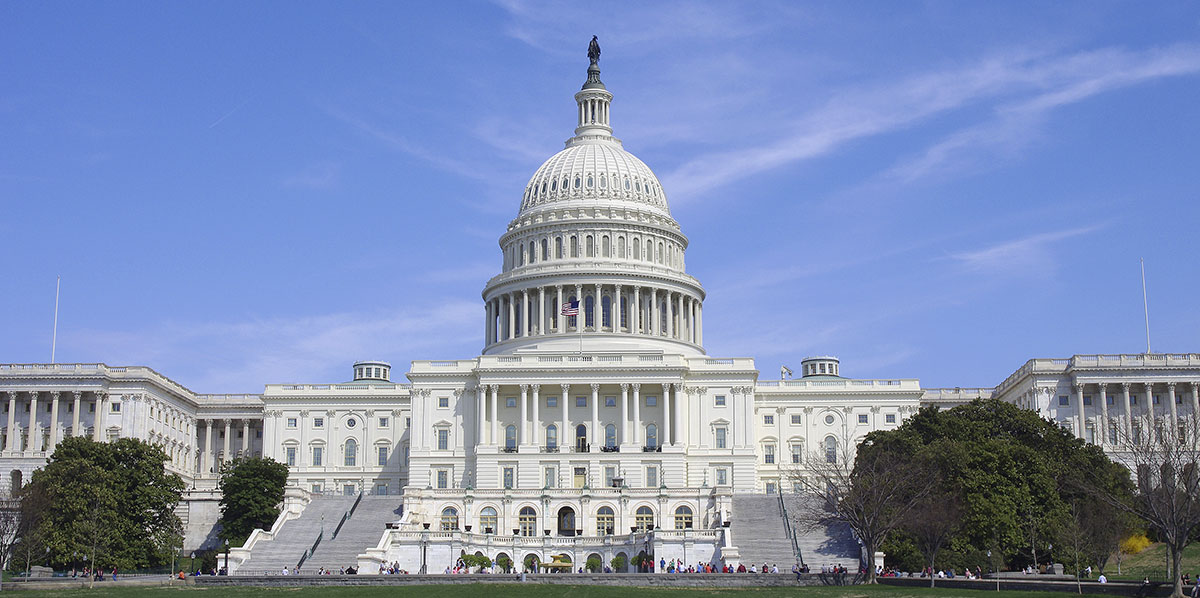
(1064, 400)
(644, 518)
(829, 420)
(610, 401)
(610, 472)
(318, 455)
(291, 456)
(449, 519)
(487, 520)
(683, 517)
(408, 422)
(769, 454)
(651, 476)
(318, 422)
(1157, 399)
(721, 433)
(1112, 400)
(383, 455)
(768, 420)
(830, 449)
(381, 489)
(581, 443)
(383, 422)
(797, 453)
(351, 452)
(581, 401)
(443, 479)
(1112, 433)
(605, 521)
(510, 402)
(510, 438)
(1087, 399)
(527, 522)
(552, 401)
(509, 473)
(443, 439)
(552, 436)
(722, 476)
(862, 418)
(291, 422)
(796, 420)
(651, 401)
(316, 488)
(720, 401)
(116, 407)
(652, 436)
(890, 418)
(443, 402)
(771, 486)
(551, 476)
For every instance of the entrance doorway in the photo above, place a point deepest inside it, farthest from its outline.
(566, 521)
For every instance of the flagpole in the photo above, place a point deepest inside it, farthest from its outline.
(54, 337)
(1145, 305)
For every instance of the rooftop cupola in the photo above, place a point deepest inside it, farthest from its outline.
(593, 100)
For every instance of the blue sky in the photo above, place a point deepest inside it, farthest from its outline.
(239, 193)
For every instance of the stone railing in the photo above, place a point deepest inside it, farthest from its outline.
(881, 385)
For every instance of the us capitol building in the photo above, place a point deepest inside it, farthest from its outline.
(610, 432)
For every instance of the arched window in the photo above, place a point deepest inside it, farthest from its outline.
(574, 246)
(651, 435)
(610, 436)
(683, 517)
(830, 449)
(572, 321)
(581, 443)
(558, 251)
(527, 522)
(552, 436)
(488, 520)
(521, 255)
(449, 519)
(605, 521)
(644, 518)
(649, 250)
(660, 252)
(603, 182)
(351, 452)
(532, 252)
(637, 248)
(621, 247)
(662, 312)
(545, 249)
(589, 311)
(606, 312)
(591, 246)
(605, 246)
(510, 438)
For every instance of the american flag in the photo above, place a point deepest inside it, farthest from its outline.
(570, 308)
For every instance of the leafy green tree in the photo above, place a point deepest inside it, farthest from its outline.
(251, 491)
(106, 504)
(594, 564)
(505, 563)
(618, 564)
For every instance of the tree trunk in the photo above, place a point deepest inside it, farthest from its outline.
(932, 574)
(1176, 558)
(870, 561)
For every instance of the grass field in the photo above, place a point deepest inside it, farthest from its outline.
(1152, 563)
(530, 591)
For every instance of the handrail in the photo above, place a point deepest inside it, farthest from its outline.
(787, 526)
(311, 550)
(346, 516)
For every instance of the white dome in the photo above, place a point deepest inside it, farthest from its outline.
(594, 172)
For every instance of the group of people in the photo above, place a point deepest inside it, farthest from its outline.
(96, 574)
(392, 568)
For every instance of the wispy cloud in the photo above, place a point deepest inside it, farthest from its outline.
(322, 175)
(1028, 254)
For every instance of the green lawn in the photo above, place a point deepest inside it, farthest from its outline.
(531, 591)
(1152, 563)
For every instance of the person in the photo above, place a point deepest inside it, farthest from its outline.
(1196, 590)
(796, 571)
(181, 575)
(114, 573)
(1102, 579)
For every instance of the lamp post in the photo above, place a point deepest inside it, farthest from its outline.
(192, 567)
(227, 556)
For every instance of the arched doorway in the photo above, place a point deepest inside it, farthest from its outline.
(531, 562)
(566, 521)
(581, 443)
(621, 563)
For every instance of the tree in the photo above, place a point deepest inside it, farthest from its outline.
(932, 522)
(873, 494)
(251, 492)
(618, 564)
(10, 519)
(593, 564)
(1165, 459)
(505, 563)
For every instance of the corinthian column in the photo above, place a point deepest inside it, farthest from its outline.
(35, 435)
(78, 394)
(542, 311)
(624, 413)
(11, 444)
(522, 431)
(637, 414)
(597, 439)
(1103, 436)
(53, 421)
(537, 422)
(564, 434)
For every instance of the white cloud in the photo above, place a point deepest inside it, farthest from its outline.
(1028, 254)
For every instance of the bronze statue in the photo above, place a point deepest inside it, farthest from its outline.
(594, 51)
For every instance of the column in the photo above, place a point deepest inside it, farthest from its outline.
(210, 456)
(11, 445)
(635, 312)
(98, 417)
(1150, 401)
(681, 432)
(1196, 399)
(617, 316)
(225, 448)
(691, 311)
(542, 323)
(653, 324)
(512, 318)
(597, 437)
(734, 435)
(53, 421)
(526, 321)
(1128, 410)
(681, 328)
(75, 413)
(624, 413)
(35, 435)
(565, 439)
(522, 434)
(581, 319)
(487, 328)
(669, 307)
(558, 317)
(537, 422)
(1174, 410)
(666, 428)
(637, 415)
(598, 305)
(495, 388)
(480, 415)
(1103, 440)
(246, 435)
(699, 323)
(1080, 427)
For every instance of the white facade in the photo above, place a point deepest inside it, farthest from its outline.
(571, 434)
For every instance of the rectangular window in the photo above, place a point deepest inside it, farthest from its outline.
(1110, 399)
(890, 418)
(610, 401)
(408, 422)
(318, 422)
(862, 418)
(510, 402)
(769, 454)
(381, 489)
(797, 452)
(581, 401)
(552, 401)
(1087, 399)
(796, 420)
(291, 423)
(443, 402)
(610, 472)
(116, 407)
(551, 477)
(384, 422)
(318, 456)
(291, 456)
(443, 439)
(721, 432)
(1157, 399)
(720, 400)
(651, 401)
(316, 488)
(443, 479)
(1133, 399)
(1178, 399)
(1064, 400)
(770, 487)
(508, 477)
(722, 476)
(768, 420)
(383, 455)
(651, 476)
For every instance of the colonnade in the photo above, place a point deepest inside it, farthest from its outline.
(208, 454)
(1131, 401)
(630, 429)
(38, 437)
(612, 308)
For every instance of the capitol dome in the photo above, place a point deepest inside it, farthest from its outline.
(594, 172)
